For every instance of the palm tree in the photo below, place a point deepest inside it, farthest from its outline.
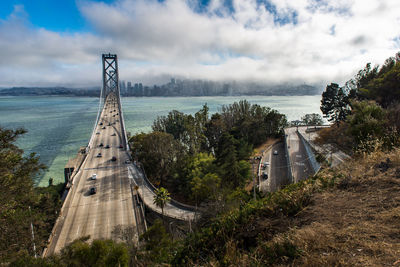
(161, 198)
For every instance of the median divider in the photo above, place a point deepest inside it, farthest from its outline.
(311, 156)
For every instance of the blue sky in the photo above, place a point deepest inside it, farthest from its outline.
(46, 42)
(56, 15)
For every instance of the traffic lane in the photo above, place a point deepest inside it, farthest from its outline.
(84, 220)
(278, 172)
(301, 163)
(265, 183)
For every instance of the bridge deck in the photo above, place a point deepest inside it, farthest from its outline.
(112, 205)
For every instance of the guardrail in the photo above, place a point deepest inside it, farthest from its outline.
(126, 143)
(100, 108)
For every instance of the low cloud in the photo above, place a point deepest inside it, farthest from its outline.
(268, 41)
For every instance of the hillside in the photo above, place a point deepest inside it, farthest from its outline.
(341, 217)
(356, 222)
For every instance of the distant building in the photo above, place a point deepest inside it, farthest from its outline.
(129, 89)
(122, 88)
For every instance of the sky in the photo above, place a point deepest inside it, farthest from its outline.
(59, 43)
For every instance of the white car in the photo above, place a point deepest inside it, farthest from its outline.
(94, 176)
(275, 152)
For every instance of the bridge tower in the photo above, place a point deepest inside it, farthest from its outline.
(110, 75)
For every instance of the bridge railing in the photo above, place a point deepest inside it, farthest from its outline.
(100, 108)
(124, 134)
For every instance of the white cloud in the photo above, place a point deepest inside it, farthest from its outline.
(301, 41)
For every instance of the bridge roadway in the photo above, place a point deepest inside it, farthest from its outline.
(112, 205)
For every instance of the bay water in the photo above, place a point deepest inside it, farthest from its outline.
(58, 126)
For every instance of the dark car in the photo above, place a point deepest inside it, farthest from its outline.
(99, 155)
(107, 146)
(101, 123)
(103, 127)
(101, 144)
(93, 190)
(121, 146)
(113, 134)
(113, 159)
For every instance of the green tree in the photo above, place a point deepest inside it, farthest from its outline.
(215, 127)
(335, 103)
(158, 152)
(158, 244)
(186, 129)
(227, 161)
(312, 119)
(368, 120)
(161, 198)
(20, 203)
(204, 181)
(385, 89)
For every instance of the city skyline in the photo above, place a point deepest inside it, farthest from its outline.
(59, 43)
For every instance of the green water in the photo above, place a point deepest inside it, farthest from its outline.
(58, 126)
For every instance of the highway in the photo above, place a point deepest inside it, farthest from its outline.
(276, 170)
(98, 214)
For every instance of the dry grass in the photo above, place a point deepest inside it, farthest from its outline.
(356, 224)
(257, 151)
